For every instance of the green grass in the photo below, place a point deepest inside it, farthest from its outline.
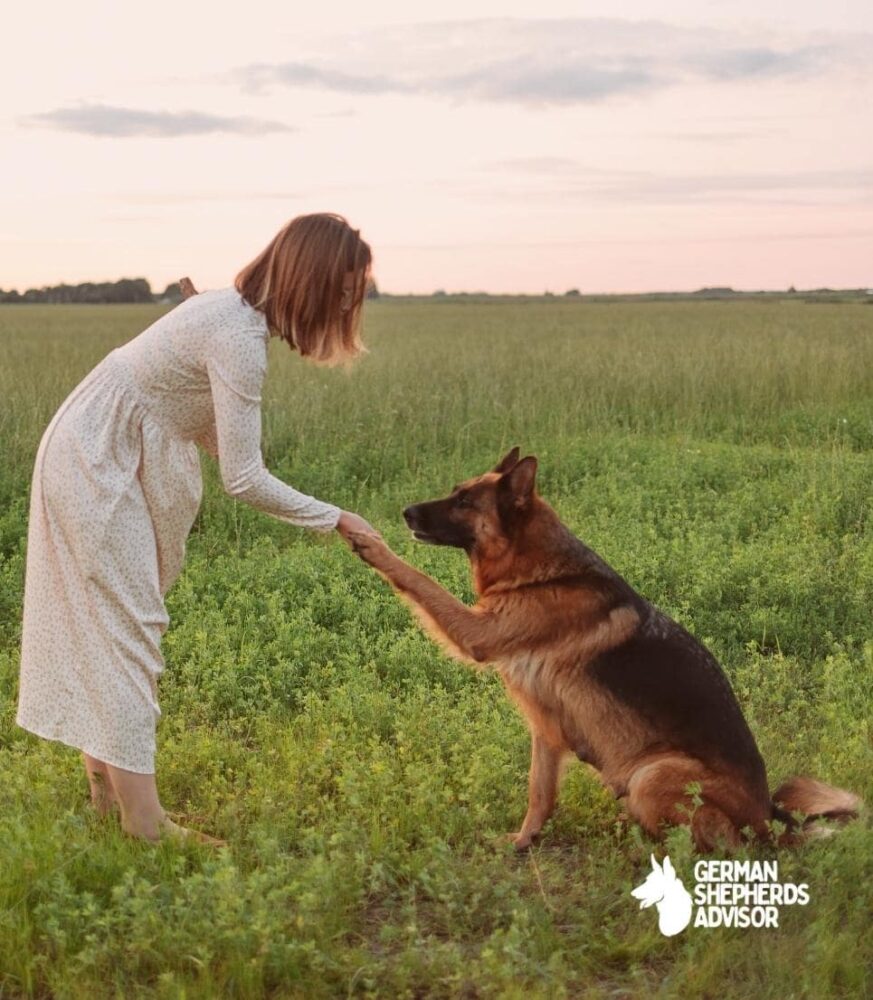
(719, 455)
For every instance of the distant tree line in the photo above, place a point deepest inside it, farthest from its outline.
(125, 290)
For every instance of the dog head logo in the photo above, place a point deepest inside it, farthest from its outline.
(663, 889)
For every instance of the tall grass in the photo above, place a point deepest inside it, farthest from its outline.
(718, 454)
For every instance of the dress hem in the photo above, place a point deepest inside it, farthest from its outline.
(96, 754)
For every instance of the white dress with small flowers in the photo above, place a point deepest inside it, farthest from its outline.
(115, 491)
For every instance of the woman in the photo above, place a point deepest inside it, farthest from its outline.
(117, 485)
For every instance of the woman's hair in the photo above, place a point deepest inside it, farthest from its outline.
(297, 283)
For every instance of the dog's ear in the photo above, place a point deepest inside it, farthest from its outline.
(521, 481)
(509, 461)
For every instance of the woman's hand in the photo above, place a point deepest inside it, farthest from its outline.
(350, 524)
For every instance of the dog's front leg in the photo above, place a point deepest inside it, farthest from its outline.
(545, 767)
(463, 631)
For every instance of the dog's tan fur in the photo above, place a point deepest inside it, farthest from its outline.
(578, 650)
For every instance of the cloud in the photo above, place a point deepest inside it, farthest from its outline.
(105, 120)
(762, 63)
(545, 62)
(260, 76)
(527, 81)
(534, 82)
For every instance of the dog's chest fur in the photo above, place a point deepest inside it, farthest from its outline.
(524, 671)
(565, 703)
(560, 700)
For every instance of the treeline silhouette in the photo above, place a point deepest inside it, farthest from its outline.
(92, 293)
(125, 290)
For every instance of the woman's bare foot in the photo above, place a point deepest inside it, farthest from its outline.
(142, 815)
(154, 828)
(176, 832)
(143, 828)
(136, 798)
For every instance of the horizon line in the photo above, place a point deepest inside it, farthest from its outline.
(710, 291)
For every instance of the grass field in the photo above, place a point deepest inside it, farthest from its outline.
(719, 455)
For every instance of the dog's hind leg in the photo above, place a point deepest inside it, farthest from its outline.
(712, 828)
(545, 768)
(657, 794)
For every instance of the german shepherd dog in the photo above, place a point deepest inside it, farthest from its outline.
(596, 669)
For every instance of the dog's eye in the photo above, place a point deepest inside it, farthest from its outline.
(464, 501)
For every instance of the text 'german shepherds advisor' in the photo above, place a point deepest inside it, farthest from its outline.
(596, 669)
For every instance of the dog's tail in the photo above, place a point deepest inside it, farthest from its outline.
(816, 801)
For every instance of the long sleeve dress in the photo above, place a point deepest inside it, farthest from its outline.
(116, 488)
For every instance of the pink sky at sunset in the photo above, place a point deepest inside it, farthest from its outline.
(510, 148)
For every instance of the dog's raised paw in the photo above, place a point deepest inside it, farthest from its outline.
(370, 548)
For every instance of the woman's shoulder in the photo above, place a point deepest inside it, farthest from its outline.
(233, 339)
(228, 304)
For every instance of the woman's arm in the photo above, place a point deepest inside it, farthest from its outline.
(250, 481)
(236, 368)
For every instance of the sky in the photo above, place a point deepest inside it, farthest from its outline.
(511, 147)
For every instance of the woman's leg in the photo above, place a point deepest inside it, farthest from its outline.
(142, 814)
(137, 794)
(103, 797)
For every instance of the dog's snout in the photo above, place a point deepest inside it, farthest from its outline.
(410, 515)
